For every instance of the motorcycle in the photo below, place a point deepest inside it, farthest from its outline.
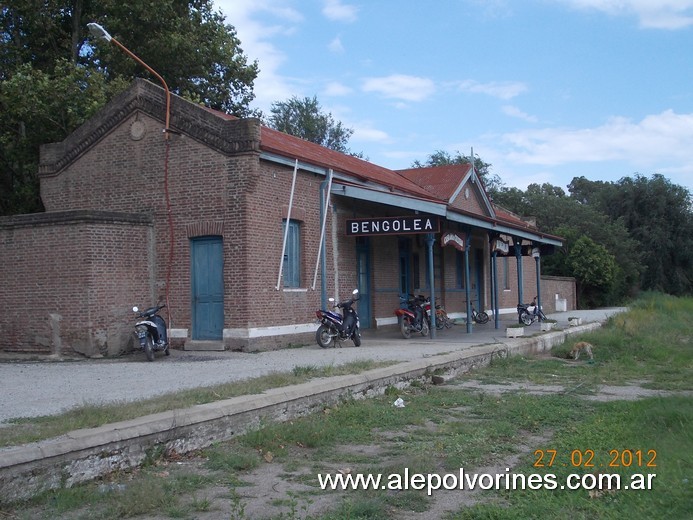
(338, 327)
(528, 313)
(413, 318)
(151, 331)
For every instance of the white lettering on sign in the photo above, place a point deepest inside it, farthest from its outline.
(392, 225)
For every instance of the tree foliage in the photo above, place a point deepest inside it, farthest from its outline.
(658, 216)
(305, 118)
(186, 41)
(593, 267)
(646, 224)
(54, 75)
(558, 213)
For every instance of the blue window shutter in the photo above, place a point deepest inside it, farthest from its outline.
(292, 255)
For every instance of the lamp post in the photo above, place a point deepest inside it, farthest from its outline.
(99, 32)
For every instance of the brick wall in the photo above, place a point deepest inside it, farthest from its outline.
(554, 288)
(70, 280)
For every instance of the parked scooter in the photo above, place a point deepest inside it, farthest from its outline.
(413, 318)
(151, 331)
(338, 327)
(528, 313)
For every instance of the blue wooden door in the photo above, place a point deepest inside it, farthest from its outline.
(207, 278)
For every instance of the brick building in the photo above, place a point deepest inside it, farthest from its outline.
(222, 219)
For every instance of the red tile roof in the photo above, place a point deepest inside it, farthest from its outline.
(441, 181)
(437, 183)
(285, 144)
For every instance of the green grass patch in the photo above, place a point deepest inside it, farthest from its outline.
(651, 436)
(651, 344)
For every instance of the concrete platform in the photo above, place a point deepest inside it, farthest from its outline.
(83, 455)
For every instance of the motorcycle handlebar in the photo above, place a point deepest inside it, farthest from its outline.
(150, 310)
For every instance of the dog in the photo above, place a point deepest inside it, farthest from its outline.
(581, 346)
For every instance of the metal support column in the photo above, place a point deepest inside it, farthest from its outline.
(467, 247)
(518, 257)
(430, 240)
(537, 260)
(494, 288)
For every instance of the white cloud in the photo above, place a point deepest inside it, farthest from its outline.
(513, 111)
(336, 45)
(337, 11)
(400, 86)
(335, 89)
(661, 141)
(364, 132)
(652, 14)
(255, 37)
(501, 90)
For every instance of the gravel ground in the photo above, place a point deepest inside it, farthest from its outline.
(37, 388)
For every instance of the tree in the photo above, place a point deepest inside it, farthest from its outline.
(304, 118)
(186, 41)
(53, 75)
(492, 182)
(658, 216)
(38, 108)
(571, 219)
(594, 268)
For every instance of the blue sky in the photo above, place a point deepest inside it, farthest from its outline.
(544, 90)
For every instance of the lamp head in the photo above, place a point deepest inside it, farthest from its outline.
(98, 32)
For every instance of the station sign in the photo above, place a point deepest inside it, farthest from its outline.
(412, 224)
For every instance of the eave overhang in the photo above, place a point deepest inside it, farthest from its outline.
(353, 186)
(391, 199)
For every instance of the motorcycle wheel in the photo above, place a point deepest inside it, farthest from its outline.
(323, 336)
(149, 348)
(440, 321)
(357, 338)
(482, 317)
(424, 328)
(526, 318)
(167, 352)
(405, 328)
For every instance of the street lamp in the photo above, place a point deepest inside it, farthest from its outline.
(99, 32)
